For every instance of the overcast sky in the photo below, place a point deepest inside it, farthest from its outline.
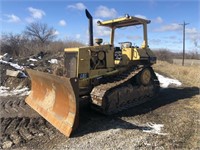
(68, 18)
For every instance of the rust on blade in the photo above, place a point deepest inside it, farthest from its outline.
(56, 99)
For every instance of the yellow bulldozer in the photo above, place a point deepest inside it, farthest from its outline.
(115, 78)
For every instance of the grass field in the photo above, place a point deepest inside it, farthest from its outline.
(187, 62)
(188, 75)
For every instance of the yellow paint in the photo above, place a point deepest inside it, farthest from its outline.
(123, 22)
(71, 49)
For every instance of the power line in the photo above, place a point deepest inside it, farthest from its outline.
(184, 24)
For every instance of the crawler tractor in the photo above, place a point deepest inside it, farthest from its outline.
(115, 78)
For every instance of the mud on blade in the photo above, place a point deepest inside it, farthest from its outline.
(56, 99)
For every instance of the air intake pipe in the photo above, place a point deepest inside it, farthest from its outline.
(90, 27)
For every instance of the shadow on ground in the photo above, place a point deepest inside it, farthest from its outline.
(166, 96)
(91, 121)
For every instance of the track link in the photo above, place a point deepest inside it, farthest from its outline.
(123, 91)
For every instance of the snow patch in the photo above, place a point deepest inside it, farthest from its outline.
(166, 82)
(5, 91)
(32, 59)
(53, 61)
(16, 66)
(154, 128)
(2, 88)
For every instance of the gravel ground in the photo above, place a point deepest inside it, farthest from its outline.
(170, 121)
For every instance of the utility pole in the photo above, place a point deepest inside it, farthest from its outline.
(184, 24)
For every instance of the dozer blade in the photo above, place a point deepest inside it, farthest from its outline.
(56, 99)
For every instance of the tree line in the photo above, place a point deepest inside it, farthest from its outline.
(35, 38)
(167, 55)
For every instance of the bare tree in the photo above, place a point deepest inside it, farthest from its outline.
(17, 45)
(40, 31)
(11, 43)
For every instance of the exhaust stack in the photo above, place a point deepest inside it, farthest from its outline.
(90, 27)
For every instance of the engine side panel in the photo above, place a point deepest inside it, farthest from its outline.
(91, 62)
(133, 55)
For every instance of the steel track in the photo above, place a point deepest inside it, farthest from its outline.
(123, 92)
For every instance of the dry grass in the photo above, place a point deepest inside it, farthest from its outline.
(188, 75)
(187, 62)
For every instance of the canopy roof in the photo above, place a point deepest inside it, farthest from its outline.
(123, 22)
